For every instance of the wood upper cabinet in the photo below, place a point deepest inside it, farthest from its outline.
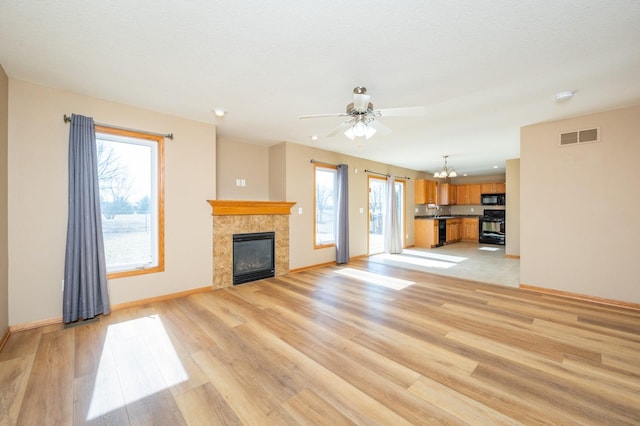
(425, 191)
(470, 231)
(447, 194)
(493, 188)
(426, 233)
(468, 194)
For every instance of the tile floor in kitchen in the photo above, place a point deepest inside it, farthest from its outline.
(479, 262)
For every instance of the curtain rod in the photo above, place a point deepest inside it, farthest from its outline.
(67, 119)
(322, 162)
(385, 174)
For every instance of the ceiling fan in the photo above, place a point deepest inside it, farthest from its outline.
(362, 119)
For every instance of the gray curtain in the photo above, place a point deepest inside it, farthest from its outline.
(392, 236)
(85, 273)
(342, 224)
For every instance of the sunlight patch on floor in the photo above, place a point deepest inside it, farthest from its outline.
(489, 248)
(438, 256)
(137, 360)
(377, 279)
(429, 263)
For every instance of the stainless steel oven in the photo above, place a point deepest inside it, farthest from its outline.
(491, 227)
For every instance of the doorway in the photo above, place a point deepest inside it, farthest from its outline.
(377, 209)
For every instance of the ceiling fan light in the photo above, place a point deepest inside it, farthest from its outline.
(350, 133)
(369, 131)
(360, 129)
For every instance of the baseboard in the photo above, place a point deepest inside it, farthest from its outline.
(512, 256)
(320, 265)
(160, 298)
(316, 266)
(5, 337)
(35, 324)
(578, 296)
(58, 320)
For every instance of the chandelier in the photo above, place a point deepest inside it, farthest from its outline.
(446, 172)
(360, 128)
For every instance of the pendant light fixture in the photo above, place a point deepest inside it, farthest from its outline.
(446, 172)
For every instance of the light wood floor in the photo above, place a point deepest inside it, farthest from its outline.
(322, 347)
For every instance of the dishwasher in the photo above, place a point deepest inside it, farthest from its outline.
(442, 232)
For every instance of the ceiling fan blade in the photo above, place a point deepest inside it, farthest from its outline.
(335, 114)
(343, 126)
(360, 102)
(380, 127)
(399, 112)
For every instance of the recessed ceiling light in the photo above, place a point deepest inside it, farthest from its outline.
(564, 96)
(495, 167)
(314, 137)
(219, 112)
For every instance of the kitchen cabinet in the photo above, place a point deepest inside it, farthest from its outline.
(426, 233)
(470, 229)
(446, 194)
(453, 230)
(468, 194)
(425, 191)
(493, 188)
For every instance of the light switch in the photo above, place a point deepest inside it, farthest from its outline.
(361, 210)
(299, 210)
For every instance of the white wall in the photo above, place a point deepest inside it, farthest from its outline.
(512, 221)
(579, 207)
(4, 219)
(239, 160)
(38, 149)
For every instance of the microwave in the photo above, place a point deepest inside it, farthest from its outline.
(492, 199)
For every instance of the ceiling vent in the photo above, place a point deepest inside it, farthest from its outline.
(580, 136)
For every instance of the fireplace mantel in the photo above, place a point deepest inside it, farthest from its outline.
(232, 208)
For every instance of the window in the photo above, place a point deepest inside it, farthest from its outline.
(130, 173)
(325, 205)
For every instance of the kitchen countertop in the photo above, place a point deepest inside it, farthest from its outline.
(452, 216)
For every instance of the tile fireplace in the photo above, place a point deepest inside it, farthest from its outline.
(246, 217)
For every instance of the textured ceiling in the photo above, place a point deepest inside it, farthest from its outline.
(481, 69)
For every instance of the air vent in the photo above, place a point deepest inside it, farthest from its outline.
(580, 136)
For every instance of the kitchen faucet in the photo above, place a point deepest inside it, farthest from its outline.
(436, 208)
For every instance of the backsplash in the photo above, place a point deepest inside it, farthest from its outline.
(476, 210)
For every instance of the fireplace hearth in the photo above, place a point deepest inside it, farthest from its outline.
(253, 256)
